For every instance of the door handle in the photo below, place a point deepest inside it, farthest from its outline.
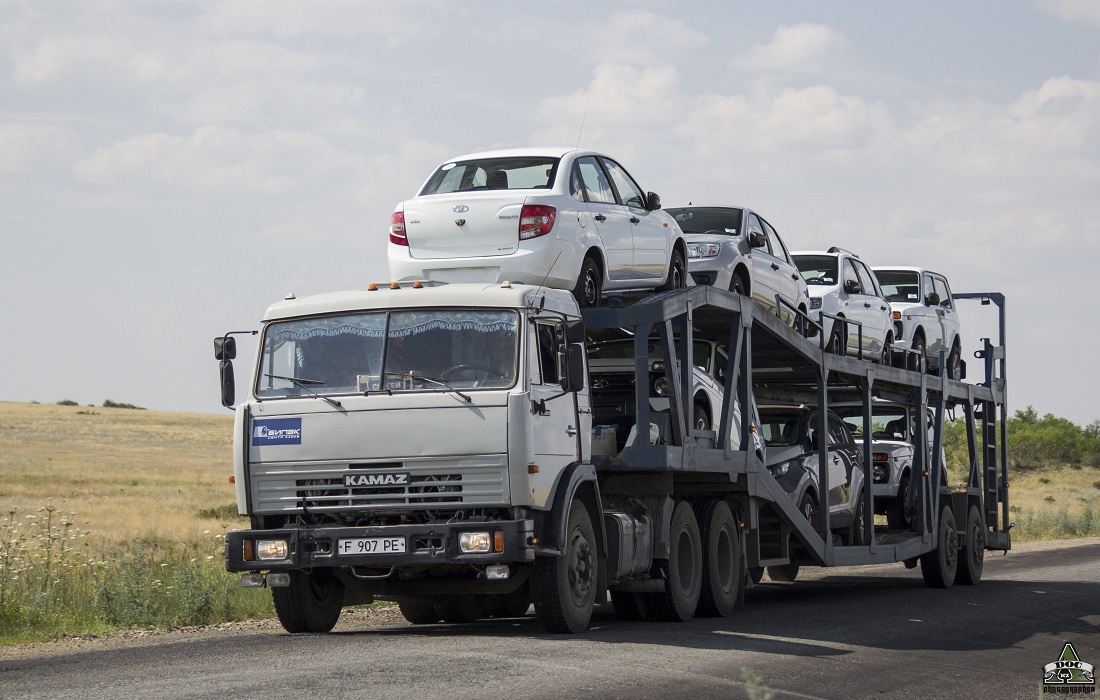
(570, 431)
(866, 305)
(794, 276)
(774, 266)
(600, 217)
(634, 220)
(882, 308)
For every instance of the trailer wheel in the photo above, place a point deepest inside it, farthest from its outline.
(972, 557)
(632, 607)
(514, 604)
(564, 588)
(897, 513)
(685, 569)
(938, 566)
(723, 569)
(461, 610)
(418, 612)
(311, 603)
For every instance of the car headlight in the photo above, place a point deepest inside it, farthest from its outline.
(878, 472)
(660, 386)
(704, 250)
(815, 303)
(780, 469)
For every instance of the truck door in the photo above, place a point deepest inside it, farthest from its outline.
(554, 415)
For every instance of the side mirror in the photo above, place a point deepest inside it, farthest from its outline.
(225, 348)
(574, 368)
(229, 388)
(757, 239)
(932, 299)
(853, 287)
(652, 201)
(574, 331)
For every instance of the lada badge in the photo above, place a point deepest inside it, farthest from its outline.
(460, 209)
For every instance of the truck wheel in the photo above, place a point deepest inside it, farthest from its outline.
(722, 563)
(685, 569)
(461, 610)
(785, 573)
(938, 566)
(311, 603)
(587, 291)
(564, 588)
(972, 556)
(418, 612)
(632, 607)
(897, 514)
(514, 604)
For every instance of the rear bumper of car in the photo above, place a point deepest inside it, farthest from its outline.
(543, 260)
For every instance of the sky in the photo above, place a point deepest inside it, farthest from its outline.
(168, 169)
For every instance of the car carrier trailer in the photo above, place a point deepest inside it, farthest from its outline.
(469, 490)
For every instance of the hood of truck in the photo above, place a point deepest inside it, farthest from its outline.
(465, 224)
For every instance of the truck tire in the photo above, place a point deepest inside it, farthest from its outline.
(897, 513)
(723, 566)
(418, 612)
(461, 610)
(311, 603)
(939, 566)
(564, 587)
(514, 604)
(632, 607)
(972, 556)
(685, 569)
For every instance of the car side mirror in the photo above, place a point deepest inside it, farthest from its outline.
(652, 201)
(853, 287)
(225, 348)
(574, 368)
(757, 239)
(932, 299)
(229, 388)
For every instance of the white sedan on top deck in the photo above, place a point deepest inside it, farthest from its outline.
(567, 218)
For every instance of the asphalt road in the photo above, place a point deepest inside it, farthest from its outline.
(840, 633)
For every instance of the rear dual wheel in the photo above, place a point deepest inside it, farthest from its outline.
(722, 565)
(940, 565)
(683, 586)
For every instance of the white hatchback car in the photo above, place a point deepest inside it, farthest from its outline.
(925, 317)
(566, 218)
(842, 285)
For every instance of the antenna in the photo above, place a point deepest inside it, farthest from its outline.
(581, 130)
(543, 283)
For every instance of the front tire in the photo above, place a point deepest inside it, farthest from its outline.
(677, 273)
(589, 285)
(921, 360)
(972, 556)
(564, 587)
(723, 565)
(897, 513)
(939, 566)
(685, 568)
(954, 363)
(858, 535)
(311, 603)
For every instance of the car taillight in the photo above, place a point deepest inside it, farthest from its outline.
(397, 229)
(535, 220)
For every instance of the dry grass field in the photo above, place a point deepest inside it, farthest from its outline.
(125, 473)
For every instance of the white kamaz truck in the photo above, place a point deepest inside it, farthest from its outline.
(436, 445)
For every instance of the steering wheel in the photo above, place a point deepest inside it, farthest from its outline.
(457, 369)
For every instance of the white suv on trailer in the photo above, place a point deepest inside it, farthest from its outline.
(925, 317)
(562, 217)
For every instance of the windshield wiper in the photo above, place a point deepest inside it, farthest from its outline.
(437, 382)
(301, 382)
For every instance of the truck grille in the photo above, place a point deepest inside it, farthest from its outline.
(281, 488)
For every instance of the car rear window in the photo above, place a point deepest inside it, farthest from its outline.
(708, 219)
(817, 269)
(514, 173)
(899, 285)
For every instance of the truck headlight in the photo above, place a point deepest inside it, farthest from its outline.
(271, 550)
(473, 542)
(704, 250)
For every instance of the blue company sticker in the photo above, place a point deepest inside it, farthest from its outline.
(277, 431)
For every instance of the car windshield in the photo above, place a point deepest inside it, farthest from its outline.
(624, 350)
(513, 173)
(886, 423)
(899, 285)
(780, 428)
(725, 220)
(422, 350)
(817, 269)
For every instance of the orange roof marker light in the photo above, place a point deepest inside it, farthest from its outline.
(417, 285)
(395, 285)
(372, 287)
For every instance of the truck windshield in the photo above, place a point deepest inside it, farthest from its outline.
(419, 350)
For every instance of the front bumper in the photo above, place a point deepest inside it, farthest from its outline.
(425, 545)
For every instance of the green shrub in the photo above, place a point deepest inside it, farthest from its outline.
(220, 513)
(115, 404)
(67, 402)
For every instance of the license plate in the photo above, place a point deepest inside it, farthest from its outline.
(372, 545)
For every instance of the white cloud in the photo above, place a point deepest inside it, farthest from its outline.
(31, 148)
(800, 48)
(1084, 11)
(640, 37)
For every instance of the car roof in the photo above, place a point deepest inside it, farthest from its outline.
(547, 151)
(906, 268)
